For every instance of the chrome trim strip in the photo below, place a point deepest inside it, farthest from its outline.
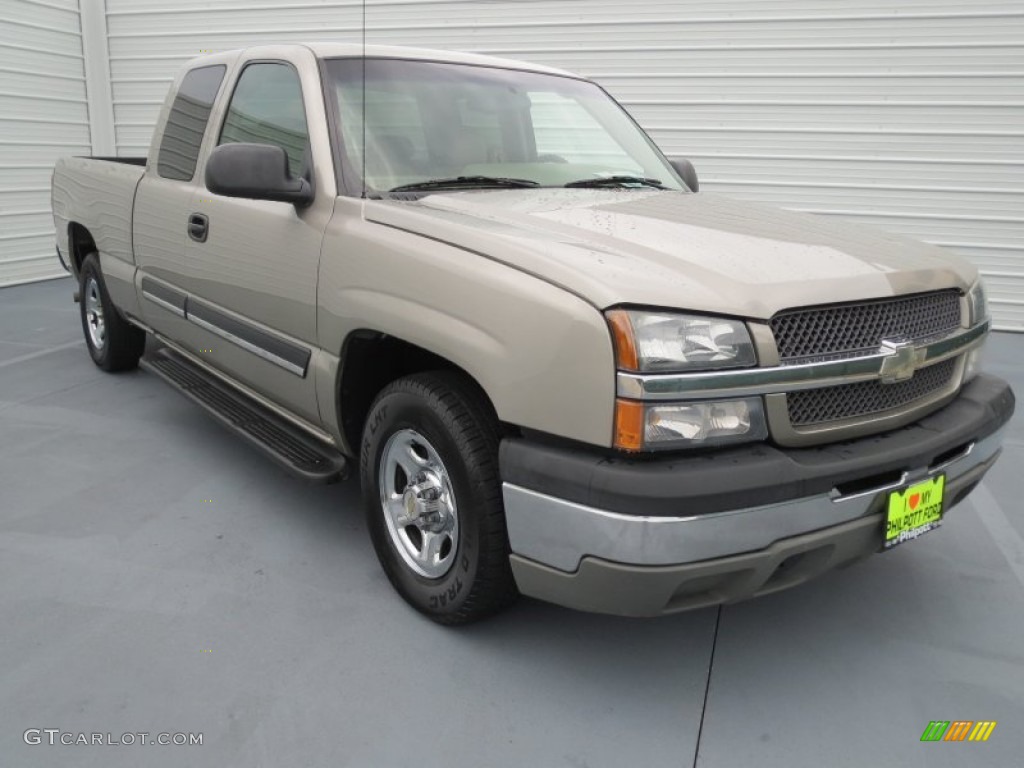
(560, 533)
(138, 323)
(248, 346)
(837, 497)
(165, 304)
(789, 378)
(275, 347)
(950, 462)
(163, 295)
(776, 409)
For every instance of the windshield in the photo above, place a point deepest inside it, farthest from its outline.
(405, 123)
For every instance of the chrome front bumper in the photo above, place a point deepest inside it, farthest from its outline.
(671, 535)
(560, 534)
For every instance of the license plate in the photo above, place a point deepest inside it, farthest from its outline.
(913, 511)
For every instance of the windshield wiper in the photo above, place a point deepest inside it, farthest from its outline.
(465, 181)
(620, 181)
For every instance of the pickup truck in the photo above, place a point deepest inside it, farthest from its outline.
(561, 370)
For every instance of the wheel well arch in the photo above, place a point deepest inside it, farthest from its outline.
(370, 360)
(80, 245)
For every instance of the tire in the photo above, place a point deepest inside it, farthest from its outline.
(443, 430)
(114, 343)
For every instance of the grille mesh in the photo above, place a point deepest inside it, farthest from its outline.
(814, 406)
(818, 331)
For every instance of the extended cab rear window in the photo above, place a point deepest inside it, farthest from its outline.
(186, 124)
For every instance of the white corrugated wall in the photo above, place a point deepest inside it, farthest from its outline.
(150, 39)
(43, 115)
(904, 115)
(907, 116)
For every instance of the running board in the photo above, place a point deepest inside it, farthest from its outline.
(296, 451)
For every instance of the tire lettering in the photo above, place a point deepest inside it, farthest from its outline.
(374, 426)
(377, 419)
(447, 596)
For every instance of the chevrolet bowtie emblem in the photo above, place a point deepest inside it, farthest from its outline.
(901, 360)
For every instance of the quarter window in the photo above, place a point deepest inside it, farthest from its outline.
(266, 108)
(186, 123)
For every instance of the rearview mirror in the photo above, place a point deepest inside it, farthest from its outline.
(255, 171)
(686, 171)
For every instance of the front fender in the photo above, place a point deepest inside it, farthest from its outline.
(542, 355)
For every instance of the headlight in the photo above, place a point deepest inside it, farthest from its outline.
(643, 426)
(977, 307)
(973, 365)
(977, 303)
(667, 342)
(663, 342)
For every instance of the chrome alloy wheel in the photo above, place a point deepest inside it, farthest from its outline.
(419, 504)
(94, 320)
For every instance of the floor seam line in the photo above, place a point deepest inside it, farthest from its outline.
(40, 353)
(707, 686)
(996, 522)
(22, 344)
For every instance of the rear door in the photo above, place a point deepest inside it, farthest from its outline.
(163, 199)
(250, 266)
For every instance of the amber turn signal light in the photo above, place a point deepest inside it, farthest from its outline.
(629, 425)
(622, 336)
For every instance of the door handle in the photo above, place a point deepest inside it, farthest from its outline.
(198, 227)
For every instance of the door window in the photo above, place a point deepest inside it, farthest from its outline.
(267, 108)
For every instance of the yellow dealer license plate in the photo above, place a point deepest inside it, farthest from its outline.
(914, 510)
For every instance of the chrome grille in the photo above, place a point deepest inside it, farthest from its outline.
(814, 406)
(820, 331)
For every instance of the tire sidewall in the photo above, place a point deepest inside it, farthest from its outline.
(445, 595)
(91, 268)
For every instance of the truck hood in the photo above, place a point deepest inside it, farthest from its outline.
(671, 249)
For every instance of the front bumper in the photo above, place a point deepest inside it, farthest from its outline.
(651, 536)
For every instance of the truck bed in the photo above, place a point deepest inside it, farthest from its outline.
(98, 193)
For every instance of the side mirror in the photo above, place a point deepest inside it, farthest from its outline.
(256, 171)
(686, 170)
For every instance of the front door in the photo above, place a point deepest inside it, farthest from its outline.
(253, 264)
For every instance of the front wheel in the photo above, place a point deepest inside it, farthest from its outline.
(429, 468)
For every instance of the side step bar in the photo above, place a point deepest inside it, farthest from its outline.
(290, 447)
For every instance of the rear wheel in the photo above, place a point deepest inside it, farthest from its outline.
(114, 343)
(429, 466)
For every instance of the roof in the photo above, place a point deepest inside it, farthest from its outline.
(325, 50)
(330, 50)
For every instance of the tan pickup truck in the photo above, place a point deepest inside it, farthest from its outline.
(561, 370)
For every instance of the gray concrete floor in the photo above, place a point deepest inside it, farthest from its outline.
(156, 574)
